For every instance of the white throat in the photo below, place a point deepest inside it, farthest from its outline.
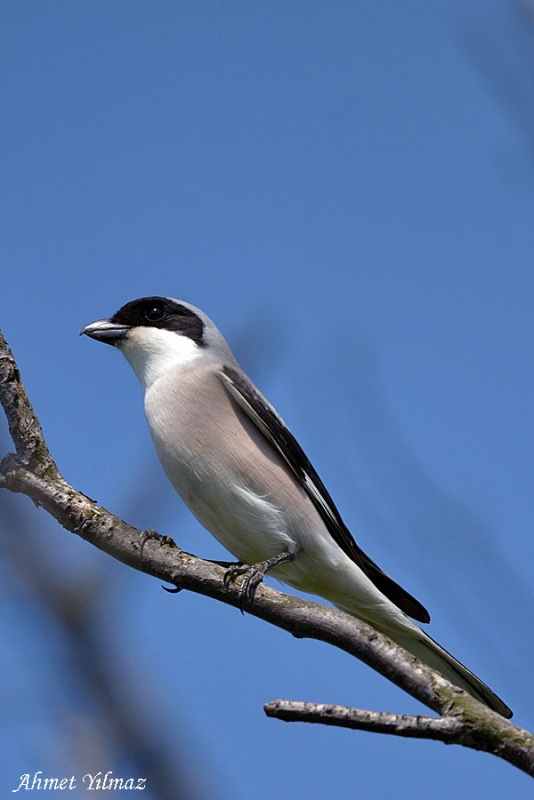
(153, 351)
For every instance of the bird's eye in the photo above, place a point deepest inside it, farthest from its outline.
(154, 313)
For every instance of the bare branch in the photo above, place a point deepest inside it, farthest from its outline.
(24, 426)
(443, 729)
(33, 472)
(462, 729)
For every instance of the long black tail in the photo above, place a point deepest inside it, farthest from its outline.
(433, 654)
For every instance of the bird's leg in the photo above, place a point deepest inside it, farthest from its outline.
(254, 574)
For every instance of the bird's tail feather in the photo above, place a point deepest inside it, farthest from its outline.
(410, 636)
(433, 654)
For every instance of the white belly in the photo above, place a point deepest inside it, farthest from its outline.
(241, 491)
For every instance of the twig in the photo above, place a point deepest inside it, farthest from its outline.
(443, 729)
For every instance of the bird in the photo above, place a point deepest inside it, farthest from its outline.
(244, 476)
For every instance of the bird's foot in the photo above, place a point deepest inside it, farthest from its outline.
(233, 571)
(152, 534)
(253, 575)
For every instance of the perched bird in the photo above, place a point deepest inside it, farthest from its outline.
(247, 480)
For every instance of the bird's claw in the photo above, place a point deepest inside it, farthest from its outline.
(253, 575)
(174, 590)
(233, 572)
(152, 534)
(230, 576)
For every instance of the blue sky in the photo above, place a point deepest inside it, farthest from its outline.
(348, 190)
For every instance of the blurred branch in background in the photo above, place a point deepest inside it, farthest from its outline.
(501, 45)
(112, 723)
(407, 505)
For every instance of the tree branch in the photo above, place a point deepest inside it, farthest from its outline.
(443, 729)
(452, 728)
(115, 722)
(32, 471)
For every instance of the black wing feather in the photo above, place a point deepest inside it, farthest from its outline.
(278, 434)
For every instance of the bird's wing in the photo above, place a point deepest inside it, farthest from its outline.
(265, 418)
